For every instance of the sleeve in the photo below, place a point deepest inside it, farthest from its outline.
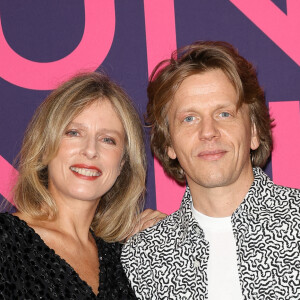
(137, 265)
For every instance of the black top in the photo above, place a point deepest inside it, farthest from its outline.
(29, 269)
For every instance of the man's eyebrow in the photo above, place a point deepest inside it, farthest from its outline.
(195, 107)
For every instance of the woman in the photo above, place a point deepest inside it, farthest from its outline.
(81, 178)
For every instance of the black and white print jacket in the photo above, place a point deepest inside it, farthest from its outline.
(169, 260)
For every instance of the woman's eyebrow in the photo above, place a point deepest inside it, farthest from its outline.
(105, 130)
(76, 124)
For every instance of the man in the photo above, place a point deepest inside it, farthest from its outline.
(236, 234)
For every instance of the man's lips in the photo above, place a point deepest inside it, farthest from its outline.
(85, 171)
(212, 154)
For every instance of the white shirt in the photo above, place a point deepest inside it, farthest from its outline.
(222, 273)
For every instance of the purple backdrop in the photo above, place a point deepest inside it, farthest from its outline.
(47, 31)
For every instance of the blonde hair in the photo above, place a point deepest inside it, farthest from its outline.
(119, 208)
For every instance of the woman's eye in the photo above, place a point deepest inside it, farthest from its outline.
(224, 114)
(108, 140)
(72, 133)
(189, 119)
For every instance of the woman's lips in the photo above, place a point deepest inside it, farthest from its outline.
(86, 172)
(212, 155)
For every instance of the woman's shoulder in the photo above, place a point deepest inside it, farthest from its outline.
(9, 221)
(12, 228)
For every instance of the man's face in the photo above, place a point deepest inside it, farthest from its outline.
(211, 138)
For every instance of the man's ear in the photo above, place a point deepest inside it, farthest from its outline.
(171, 152)
(255, 142)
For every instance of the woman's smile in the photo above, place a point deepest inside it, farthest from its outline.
(86, 172)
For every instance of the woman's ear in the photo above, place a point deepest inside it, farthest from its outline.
(122, 164)
(44, 159)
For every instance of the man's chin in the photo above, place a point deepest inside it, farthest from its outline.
(214, 180)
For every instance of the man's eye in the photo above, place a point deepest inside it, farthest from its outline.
(224, 114)
(108, 140)
(72, 133)
(189, 119)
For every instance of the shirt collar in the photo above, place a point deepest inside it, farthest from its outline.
(253, 198)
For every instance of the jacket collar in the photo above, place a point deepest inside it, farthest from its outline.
(260, 183)
(254, 208)
(249, 207)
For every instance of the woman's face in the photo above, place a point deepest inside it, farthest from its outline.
(89, 157)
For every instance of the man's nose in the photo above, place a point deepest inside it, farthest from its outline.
(209, 129)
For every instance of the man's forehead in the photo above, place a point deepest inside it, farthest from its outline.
(214, 84)
(194, 85)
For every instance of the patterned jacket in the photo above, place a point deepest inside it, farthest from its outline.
(169, 260)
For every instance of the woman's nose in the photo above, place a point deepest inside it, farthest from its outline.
(89, 148)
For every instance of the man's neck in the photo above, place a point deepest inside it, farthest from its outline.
(221, 201)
